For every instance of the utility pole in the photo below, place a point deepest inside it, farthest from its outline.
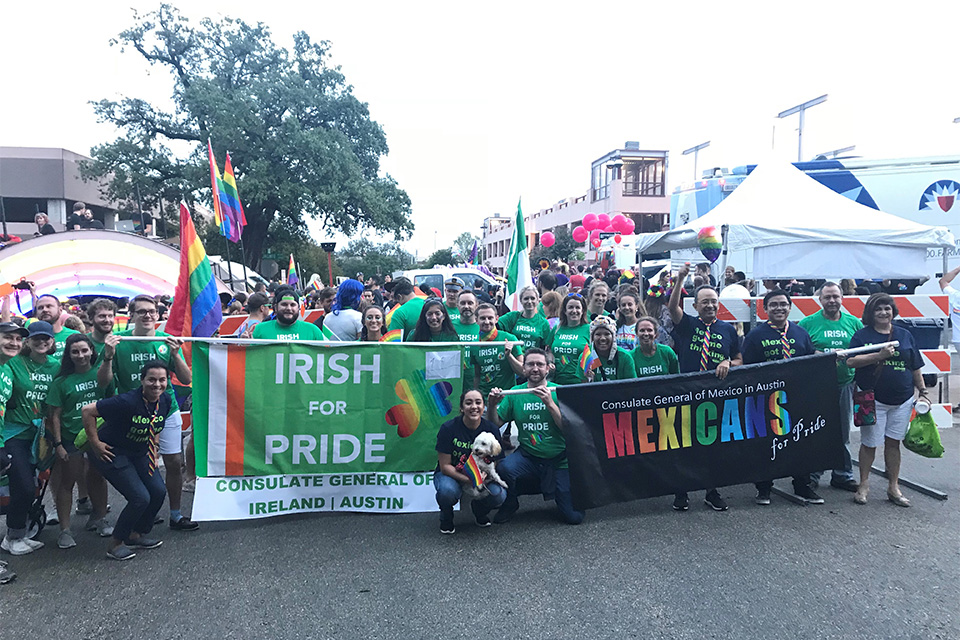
(801, 109)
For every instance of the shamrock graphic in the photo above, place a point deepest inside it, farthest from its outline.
(417, 399)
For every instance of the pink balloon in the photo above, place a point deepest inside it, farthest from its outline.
(628, 227)
(617, 221)
(609, 229)
(594, 235)
(603, 220)
(580, 234)
(590, 221)
(547, 239)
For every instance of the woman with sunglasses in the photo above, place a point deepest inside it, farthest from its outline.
(568, 340)
(372, 330)
(434, 324)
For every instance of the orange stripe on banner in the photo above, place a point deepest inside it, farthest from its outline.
(236, 387)
(906, 308)
(230, 324)
(854, 306)
(313, 315)
(724, 314)
(943, 302)
(807, 306)
(939, 358)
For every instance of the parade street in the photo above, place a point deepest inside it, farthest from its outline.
(635, 570)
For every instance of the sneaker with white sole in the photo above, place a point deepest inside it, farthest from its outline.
(143, 542)
(65, 540)
(17, 547)
(121, 552)
(6, 575)
(101, 526)
(84, 507)
(34, 544)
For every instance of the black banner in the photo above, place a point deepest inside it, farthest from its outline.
(668, 434)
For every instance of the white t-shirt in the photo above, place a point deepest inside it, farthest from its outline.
(954, 299)
(345, 325)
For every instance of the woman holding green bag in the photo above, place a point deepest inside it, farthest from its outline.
(892, 374)
(75, 386)
(31, 373)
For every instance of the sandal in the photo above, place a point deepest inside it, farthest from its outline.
(899, 500)
(860, 498)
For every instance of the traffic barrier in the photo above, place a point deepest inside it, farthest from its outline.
(915, 306)
(942, 415)
(231, 324)
(935, 361)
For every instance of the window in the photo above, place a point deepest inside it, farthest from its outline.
(433, 281)
(644, 177)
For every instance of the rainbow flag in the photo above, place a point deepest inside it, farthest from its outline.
(231, 208)
(292, 277)
(392, 336)
(472, 470)
(216, 185)
(589, 360)
(196, 305)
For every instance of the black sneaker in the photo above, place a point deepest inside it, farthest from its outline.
(715, 501)
(763, 498)
(681, 502)
(504, 514)
(446, 527)
(184, 524)
(483, 521)
(850, 485)
(808, 494)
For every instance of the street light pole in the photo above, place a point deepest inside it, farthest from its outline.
(801, 109)
(696, 152)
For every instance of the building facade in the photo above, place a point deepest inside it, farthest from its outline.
(631, 181)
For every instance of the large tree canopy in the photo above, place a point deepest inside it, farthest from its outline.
(302, 144)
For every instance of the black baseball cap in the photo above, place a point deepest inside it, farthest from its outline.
(40, 328)
(12, 327)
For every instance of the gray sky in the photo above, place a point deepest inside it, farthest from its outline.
(484, 105)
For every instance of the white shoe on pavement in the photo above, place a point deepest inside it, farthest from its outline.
(16, 547)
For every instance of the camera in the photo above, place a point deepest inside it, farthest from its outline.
(24, 284)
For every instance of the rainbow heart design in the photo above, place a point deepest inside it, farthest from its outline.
(416, 399)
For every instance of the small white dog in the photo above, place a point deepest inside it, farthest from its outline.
(483, 452)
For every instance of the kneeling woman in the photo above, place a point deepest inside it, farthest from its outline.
(125, 452)
(613, 363)
(454, 442)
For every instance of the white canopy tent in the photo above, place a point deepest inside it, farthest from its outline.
(797, 228)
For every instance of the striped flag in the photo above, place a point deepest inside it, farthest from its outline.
(196, 306)
(230, 202)
(216, 185)
(518, 264)
(588, 359)
(292, 277)
(393, 336)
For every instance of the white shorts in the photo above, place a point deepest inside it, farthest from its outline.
(892, 422)
(170, 438)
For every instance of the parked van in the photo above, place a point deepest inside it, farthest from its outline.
(434, 278)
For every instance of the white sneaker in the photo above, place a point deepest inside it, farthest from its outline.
(16, 547)
(65, 540)
(33, 544)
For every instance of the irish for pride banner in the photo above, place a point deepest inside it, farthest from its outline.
(663, 435)
(282, 428)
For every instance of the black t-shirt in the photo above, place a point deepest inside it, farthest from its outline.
(75, 220)
(127, 419)
(688, 338)
(456, 439)
(92, 223)
(763, 343)
(895, 382)
(47, 229)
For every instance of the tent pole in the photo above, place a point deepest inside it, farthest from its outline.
(945, 337)
(723, 263)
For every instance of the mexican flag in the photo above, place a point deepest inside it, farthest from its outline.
(518, 264)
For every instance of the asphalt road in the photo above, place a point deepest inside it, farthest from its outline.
(637, 570)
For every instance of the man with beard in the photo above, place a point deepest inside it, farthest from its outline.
(497, 366)
(287, 325)
(830, 330)
(48, 309)
(468, 331)
(102, 314)
(405, 314)
(779, 339)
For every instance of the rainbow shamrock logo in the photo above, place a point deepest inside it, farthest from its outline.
(417, 400)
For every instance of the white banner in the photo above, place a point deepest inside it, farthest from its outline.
(242, 498)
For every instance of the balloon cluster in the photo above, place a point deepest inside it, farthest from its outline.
(593, 224)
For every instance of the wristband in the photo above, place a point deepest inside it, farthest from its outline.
(58, 443)
(105, 359)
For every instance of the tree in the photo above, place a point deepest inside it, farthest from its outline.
(440, 257)
(463, 246)
(564, 248)
(302, 144)
(362, 255)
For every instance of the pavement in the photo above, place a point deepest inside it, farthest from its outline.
(629, 571)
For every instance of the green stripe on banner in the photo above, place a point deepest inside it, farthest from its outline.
(201, 401)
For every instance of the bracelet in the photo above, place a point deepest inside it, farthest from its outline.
(58, 443)
(105, 359)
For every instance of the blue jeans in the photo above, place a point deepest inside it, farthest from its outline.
(23, 486)
(519, 465)
(449, 492)
(130, 475)
(846, 421)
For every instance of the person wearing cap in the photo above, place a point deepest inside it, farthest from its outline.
(48, 309)
(258, 312)
(451, 289)
(404, 316)
(130, 356)
(31, 373)
(287, 325)
(613, 363)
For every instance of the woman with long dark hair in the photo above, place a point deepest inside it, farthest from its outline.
(373, 329)
(569, 339)
(434, 324)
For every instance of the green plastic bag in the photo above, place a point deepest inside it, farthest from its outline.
(922, 437)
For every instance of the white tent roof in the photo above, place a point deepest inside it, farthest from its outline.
(797, 227)
(778, 204)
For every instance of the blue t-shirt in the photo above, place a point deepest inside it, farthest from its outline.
(895, 384)
(688, 338)
(127, 419)
(763, 343)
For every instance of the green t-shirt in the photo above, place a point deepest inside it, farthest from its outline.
(406, 315)
(440, 337)
(299, 330)
(98, 347)
(619, 368)
(132, 355)
(6, 389)
(495, 371)
(30, 383)
(533, 331)
(663, 362)
(593, 316)
(537, 433)
(70, 393)
(60, 340)
(831, 335)
(467, 333)
(453, 312)
(567, 345)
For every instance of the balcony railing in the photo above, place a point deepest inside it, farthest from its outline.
(643, 189)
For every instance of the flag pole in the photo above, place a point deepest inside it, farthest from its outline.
(229, 265)
(243, 258)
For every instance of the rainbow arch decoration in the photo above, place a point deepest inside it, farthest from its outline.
(93, 263)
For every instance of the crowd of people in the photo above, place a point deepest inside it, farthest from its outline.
(110, 408)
